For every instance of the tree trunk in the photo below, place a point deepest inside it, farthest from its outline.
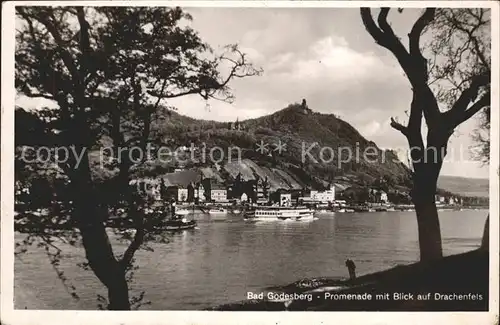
(485, 242)
(98, 249)
(429, 233)
(105, 266)
(118, 293)
(429, 230)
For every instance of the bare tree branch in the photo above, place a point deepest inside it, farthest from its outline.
(422, 22)
(470, 33)
(413, 63)
(371, 27)
(208, 86)
(471, 93)
(134, 245)
(414, 40)
(460, 49)
(384, 36)
(398, 126)
(179, 94)
(483, 102)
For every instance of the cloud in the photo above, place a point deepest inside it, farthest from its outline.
(332, 57)
(370, 129)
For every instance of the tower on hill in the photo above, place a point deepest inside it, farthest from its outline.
(304, 108)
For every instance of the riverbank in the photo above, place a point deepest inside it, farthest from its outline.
(455, 283)
(222, 260)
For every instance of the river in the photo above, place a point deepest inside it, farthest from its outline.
(224, 259)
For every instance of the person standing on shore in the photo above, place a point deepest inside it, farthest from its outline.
(352, 269)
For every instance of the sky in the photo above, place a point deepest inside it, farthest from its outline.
(325, 56)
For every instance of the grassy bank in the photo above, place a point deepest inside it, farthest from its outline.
(461, 274)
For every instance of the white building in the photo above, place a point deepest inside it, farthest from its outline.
(218, 195)
(383, 197)
(182, 194)
(244, 197)
(200, 193)
(327, 196)
(286, 200)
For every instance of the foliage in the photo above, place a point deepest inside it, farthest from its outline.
(107, 69)
(481, 136)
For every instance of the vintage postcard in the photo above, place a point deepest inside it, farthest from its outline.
(220, 162)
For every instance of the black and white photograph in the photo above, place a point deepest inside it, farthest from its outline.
(238, 156)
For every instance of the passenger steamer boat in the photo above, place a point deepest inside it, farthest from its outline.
(182, 212)
(217, 211)
(271, 213)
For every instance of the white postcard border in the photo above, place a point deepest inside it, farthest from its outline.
(10, 316)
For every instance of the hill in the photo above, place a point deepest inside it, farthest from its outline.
(464, 186)
(318, 149)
